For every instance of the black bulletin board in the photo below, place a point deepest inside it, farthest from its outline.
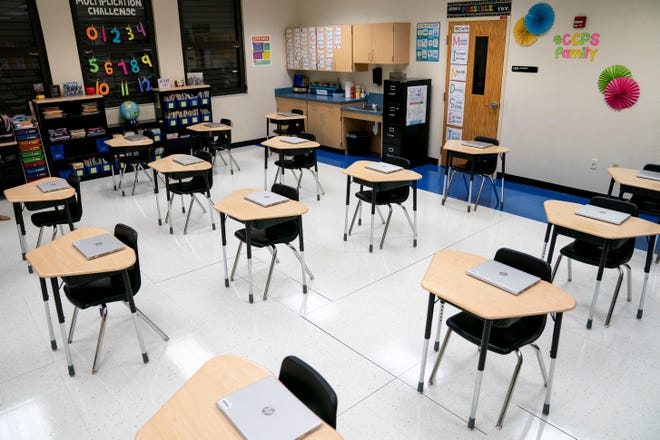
(117, 48)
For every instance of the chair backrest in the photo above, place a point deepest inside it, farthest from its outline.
(181, 145)
(288, 223)
(310, 388)
(129, 237)
(224, 136)
(490, 140)
(286, 191)
(208, 157)
(400, 193)
(625, 248)
(308, 159)
(76, 208)
(396, 160)
(295, 127)
(652, 167)
(485, 164)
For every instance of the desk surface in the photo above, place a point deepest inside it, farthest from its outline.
(358, 170)
(59, 258)
(29, 192)
(277, 143)
(276, 116)
(191, 413)
(446, 278)
(628, 177)
(168, 165)
(562, 213)
(120, 142)
(235, 206)
(202, 127)
(455, 146)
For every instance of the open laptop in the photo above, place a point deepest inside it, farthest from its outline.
(287, 114)
(53, 185)
(187, 160)
(603, 214)
(266, 410)
(294, 140)
(651, 175)
(383, 167)
(136, 137)
(214, 124)
(266, 198)
(502, 276)
(98, 246)
(476, 144)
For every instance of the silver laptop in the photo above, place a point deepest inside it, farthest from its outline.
(214, 124)
(53, 185)
(266, 198)
(476, 144)
(266, 410)
(187, 160)
(287, 114)
(652, 175)
(603, 214)
(502, 276)
(383, 167)
(98, 246)
(136, 137)
(294, 140)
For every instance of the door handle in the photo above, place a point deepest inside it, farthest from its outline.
(493, 105)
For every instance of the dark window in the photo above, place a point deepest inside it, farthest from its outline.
(23, 61)
(212, 39)
(479, 69)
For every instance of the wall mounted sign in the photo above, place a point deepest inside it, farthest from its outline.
(580, 22)
(483, 8)
(428, 42)
(525, 69)
(260, 50)
(578, 45)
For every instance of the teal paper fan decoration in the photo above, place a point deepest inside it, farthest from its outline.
(539, 18)
(610, 73)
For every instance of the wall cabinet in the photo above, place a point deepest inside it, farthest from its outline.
(324, 48)
(381, 43)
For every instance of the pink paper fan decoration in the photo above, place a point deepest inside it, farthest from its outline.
(621, 93)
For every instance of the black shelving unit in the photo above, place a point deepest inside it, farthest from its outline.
(178, 107)
(73, 129)
(11, 171)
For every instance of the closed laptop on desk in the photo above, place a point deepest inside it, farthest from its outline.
(266, 198)
(383, 167)
(603, 214)
(187, 160)
(651, 175)
(52, 185)
(294, 140)
(214, 124)
(98, 246)
(287, 114)
(266, 410)
(136, 137)
(476, 144)
(502, 276)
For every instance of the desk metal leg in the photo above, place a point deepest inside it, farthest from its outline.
(302, 255)
(427, 338)
(160, 219)
(469, 201)
(553, 241)
(248, 246)
(44, 295)
(223, 233)
(444, 181)
(60, 317)
(348, 198)
(553, 358)
(548, 229)
(611, 187)
(503, 167)
(20, 227)
(266, 166)
(414, 213)
(373, 213)
(647, 268)
(112, 171)
(441, 311)
(599, 278)
(480, 372)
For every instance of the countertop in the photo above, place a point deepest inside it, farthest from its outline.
(373, 98)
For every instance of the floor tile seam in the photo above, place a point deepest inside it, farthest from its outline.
(545, 420)
(25, 373)
(180, 274)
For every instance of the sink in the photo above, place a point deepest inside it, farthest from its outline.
(366, 108)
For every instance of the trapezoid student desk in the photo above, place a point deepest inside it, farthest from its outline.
(284, 148)
(446, 280)
(454, 149)
(204, 127)
(191, 412)
(121, 144)
(279, 119)
(30, 193)
(244, 211)
(377, 181)
(563, 220)
(59, 259)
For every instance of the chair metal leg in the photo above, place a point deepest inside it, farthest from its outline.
(387, 224)
(452, 173)
(539, 358)
(54, 233)
(185, 227)
(183, 209)
(554, 269)
(350, 229)
(201, 205)
(210, 202)
(136, 171)
(150, 323)
(510, 390)
(299, 257)
(270, 271)
(74, 318)
(481, 188)
(497, 196)
(233, 268)
(277, 174)
(410, 223)
(569, 263)
(168, 216)
(629, 280)
(440, 354)
(99, 343)
(614, 297)
(41, 232)
(318, 183)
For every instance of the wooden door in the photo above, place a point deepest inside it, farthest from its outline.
(476, 112)
(361, 43)
(382, 40)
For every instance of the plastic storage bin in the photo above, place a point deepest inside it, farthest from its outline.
(357, 143)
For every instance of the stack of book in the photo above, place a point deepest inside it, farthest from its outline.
(52, 112)
(89, 108)
(95, 131)
(58, 134)
(77, 133)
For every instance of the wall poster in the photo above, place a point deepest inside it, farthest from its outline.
(260, 50)
(428, 42)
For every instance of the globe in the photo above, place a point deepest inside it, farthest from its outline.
(129, 111)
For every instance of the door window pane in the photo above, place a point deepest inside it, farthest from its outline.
(479, 67)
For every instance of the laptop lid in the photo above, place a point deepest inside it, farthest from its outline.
(287, 114)
(187, 159)
(294, 140)
(53, 185)
(266, 198)
(98, 246)
(647, 174)
(476, 144)
(383, 167)
(214, 124)
(502, 276)
(603, 214)
(266, 410)
(136, 137)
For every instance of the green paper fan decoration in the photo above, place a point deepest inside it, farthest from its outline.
(610, 73)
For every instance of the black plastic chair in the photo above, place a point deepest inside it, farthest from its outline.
(270, 232)
(394, 196)
(98, 290)
(57, 216)
(199, 182)
(482, 165)
(304, 161)
(619, 254)
(310, 387)
(506, 335)
(649, 205)
(137, 158)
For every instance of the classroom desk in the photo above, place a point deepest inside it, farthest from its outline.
(29, 192)
(191, 412)
(246, 212)
(278, 119)
(202, 127)
(378, 181)
(60, 259)
(630, 183)
(454, 149)
(446, 280)
(283, 149)
(563, 220)
(122, 145)
(171, 169)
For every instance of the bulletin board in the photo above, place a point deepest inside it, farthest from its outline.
(117, 49)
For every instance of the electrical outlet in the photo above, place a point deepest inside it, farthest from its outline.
(615, 164)
(594, 164)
